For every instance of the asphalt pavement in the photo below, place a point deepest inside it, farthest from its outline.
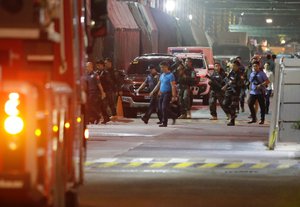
(196, 162)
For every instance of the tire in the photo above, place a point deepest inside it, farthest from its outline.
(205, 100)
(72, 199)
(129, 112)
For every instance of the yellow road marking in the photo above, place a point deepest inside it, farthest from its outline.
(284, 166)
(87, 163)
(158, 165)
(260, 165)
(208, 165)
(184, 165)
(108, 164)
(134, 164)
(234, 165)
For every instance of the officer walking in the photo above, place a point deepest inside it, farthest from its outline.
(113, 88)
(216, 94)
(95, 94)
(232, 92)
(258, 81)
(150, 82)
(103, 76)
(167, 93)
(190, 81)
(183, 83)
(242, 71)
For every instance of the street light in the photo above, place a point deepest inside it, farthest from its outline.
(190, 17)
(170, 6)
(269, 21)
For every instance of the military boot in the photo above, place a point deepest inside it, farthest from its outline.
(231, 123)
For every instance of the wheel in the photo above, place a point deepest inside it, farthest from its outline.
(129, 112)
(205, 100)
(71, 199)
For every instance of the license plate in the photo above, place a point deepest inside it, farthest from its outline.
(147, 97)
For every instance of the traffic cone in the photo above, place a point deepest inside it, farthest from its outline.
(120, 113)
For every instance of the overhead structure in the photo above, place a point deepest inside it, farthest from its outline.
(272, 31)
(124, 33)
(252, 15)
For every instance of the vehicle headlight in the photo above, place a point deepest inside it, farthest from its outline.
(13, 124)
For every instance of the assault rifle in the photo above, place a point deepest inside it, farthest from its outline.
(214, 82)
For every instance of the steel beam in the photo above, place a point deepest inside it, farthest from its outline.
(265, 31)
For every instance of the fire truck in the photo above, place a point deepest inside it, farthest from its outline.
(41, 124)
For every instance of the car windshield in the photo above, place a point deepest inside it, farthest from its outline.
(198, 63)
(140, 66)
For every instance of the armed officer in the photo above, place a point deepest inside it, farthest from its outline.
(190, 76)
(183, 85)
(232, 90)
(258, 81)
(216, 94)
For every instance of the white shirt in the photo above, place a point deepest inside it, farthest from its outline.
(270, 76)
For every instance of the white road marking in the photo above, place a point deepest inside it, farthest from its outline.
(212, 160)
(104, 160)
(178, 160)
(143, 160)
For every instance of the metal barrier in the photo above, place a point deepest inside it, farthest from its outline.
(284, 125)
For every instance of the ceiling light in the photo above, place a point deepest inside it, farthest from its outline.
(269, 21)
(170, 6)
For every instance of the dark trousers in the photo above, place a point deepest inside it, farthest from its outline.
(213, 98)
(242, 97)
(231, 102)
(92, 108)
(152, 108)
(103, 108)
(165, 108)
(268, 95)
(184, 100)
(262, 105)
(111, 102)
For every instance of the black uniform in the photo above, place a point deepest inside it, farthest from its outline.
(185, 93)
(110, 87)
(243, 88)
(113, 88)
(232, 94)
(216, 94)
(151, 81)
(93, 98)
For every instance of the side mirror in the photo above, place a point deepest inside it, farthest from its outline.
(211, 67)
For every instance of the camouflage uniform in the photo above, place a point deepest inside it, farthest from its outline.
(216, 94)
(185, 81)
(232, 94)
